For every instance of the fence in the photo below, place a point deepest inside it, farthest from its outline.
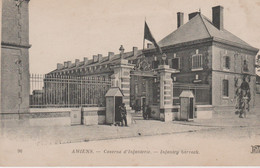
(201, 92)
(67, 91)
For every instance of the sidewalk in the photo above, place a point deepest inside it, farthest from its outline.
(82, 133)
(46, 135)
(230, 120)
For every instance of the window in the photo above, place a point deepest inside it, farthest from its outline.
(197, 61)
(225, 87)
(175, 63)
(245, 66)
(226, 62)
(155, 64)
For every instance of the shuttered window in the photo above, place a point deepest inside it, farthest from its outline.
(155, 64)
(226, 63)
(196, 61)
(175, 63)
(225, 88)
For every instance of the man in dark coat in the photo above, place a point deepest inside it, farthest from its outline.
(148, 112)
(123, 114)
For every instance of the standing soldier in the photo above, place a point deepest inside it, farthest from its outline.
(123, 114)
(244, 98)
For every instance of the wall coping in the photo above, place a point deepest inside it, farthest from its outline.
(203, 106)
(176, 106)
(49, 110)
(85, 109)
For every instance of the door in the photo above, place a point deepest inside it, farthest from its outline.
(118, 102)
(191, 109)
(143, 104)
(184, 112)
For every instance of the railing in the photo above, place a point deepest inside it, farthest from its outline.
(67, 91)
(201, 92)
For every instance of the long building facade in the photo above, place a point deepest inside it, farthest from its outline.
(202, 56)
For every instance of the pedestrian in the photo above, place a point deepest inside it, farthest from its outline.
(148, 112)
(123, 114)
(145, 116)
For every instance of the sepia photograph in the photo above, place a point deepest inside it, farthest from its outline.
(130, 83)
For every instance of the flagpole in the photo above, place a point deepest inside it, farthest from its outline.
(144, 32)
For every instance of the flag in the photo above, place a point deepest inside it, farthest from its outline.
(148, 36)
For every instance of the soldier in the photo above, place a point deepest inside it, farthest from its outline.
(123, 114)
(244, 98)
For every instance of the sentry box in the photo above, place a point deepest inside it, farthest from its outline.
(114, 98)
(187, 107)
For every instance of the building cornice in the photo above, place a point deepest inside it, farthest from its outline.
(7, 44)
(237, 45)
(179, 45)
(202, 41)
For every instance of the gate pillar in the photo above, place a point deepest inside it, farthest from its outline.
(121, 79)
(166, 92)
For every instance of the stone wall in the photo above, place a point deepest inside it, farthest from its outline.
(53, 117)
(201, 112)
(15, 57)
(94, 115)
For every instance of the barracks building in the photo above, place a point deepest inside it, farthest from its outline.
(201, 55)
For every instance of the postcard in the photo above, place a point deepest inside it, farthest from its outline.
(130, 83)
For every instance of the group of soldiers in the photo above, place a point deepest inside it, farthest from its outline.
(243, 98)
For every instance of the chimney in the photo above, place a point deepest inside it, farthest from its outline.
(99, 57)
(149, 45)
(95, 58)
(85, 60)
(192, 15)
(77, 62)
(135, 50)
(59, 66)
(180, 17)
(110, 55)
(65, 64)
(69, 64)
(217, 17)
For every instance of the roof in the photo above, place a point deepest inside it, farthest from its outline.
(199, 27)
(186, 93)
(114, 91)
(127, 55)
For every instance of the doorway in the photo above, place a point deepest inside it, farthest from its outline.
(143, 104)
(191, 109)
(118, 102)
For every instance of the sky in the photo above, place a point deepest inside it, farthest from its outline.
(65, 30)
